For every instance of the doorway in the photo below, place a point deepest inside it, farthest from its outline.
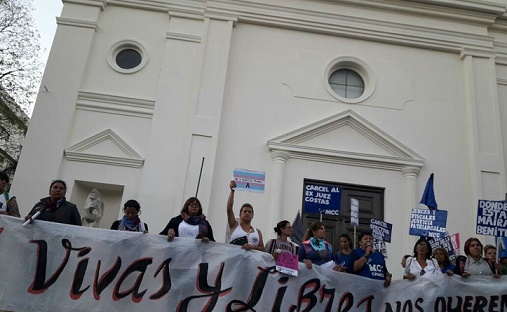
(371, 206)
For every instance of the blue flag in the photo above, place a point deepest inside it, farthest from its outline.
(299, 230)
(428, 197)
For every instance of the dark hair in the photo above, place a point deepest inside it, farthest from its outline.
(246, 205)
(188, 202)
(428, 250)
(4, 177)
(469, 242)
(58, 181)
(279, 226)
(363, 234)
(447, 262)
(132, 204)
(313, 227)
(346, 236)
(488, 247)
(406, 256)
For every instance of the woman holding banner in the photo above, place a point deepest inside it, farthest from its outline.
(281, 244)
(474, 263)
(56, 208)
(314, 249)
(191, 223)
(421, 262)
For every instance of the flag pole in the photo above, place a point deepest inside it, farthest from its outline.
(199, 181)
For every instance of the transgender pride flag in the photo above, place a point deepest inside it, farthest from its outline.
(250, 181)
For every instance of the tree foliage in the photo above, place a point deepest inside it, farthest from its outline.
(20, 68)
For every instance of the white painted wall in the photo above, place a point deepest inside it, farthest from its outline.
(225, 77)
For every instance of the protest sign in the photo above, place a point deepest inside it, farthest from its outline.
(428, 223)
(57, 267)
(354, 212)
(322, 198)
(492, 218)
(249, 180)
(445, 243)
(381, 230)
(287, 263)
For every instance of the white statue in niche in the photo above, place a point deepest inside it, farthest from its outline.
(93, 209)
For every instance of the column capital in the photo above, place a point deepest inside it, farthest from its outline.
(279, 156)
(410, 171)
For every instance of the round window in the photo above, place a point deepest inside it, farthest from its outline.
(128, 59)
(349, 79)
(347, 83)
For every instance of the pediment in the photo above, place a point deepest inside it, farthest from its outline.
(346, 138)
(107, 148)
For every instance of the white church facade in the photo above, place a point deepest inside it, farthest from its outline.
(371, 95)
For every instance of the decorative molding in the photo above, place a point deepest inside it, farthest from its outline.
(97, 3)
(501, 81)
(118, 105)
(76, 23)
(310, 20)
(291, 143)
(476, 53)
(183, 37)
(278, 156)
(77, 152)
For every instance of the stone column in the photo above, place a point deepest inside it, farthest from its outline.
(275, 189)
(410, 201)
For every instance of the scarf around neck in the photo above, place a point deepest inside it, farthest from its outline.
(197, 220)
(130, 225)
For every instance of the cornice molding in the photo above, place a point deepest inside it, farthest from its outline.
(77, 152)
(76, 23)
(183, 37)
(291, 143)
(117, 105)
(360, 28)
(96, 3)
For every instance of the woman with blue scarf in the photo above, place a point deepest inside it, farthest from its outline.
(314, 249)
(191, 223)
(130, 221)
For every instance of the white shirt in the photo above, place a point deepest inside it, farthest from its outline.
(480, 267)
(415, 268)
(186, 230)
(252, 236)
(3, 200)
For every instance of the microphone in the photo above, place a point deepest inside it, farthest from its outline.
(41, 210)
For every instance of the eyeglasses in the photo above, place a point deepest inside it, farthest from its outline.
(288, 227)
(422, 246)
(422, 272)
(195, 205)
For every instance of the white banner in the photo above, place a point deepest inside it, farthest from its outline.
(55, 267)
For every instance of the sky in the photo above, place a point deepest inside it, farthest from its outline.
(45, 13)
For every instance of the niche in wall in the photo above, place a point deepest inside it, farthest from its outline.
(110, 196)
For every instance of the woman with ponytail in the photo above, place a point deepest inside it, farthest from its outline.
(314, 249)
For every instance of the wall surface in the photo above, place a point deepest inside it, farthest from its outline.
(244, 84)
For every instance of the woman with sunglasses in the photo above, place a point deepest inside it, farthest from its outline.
(421, 263)
(281, 244)
(191, 223)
